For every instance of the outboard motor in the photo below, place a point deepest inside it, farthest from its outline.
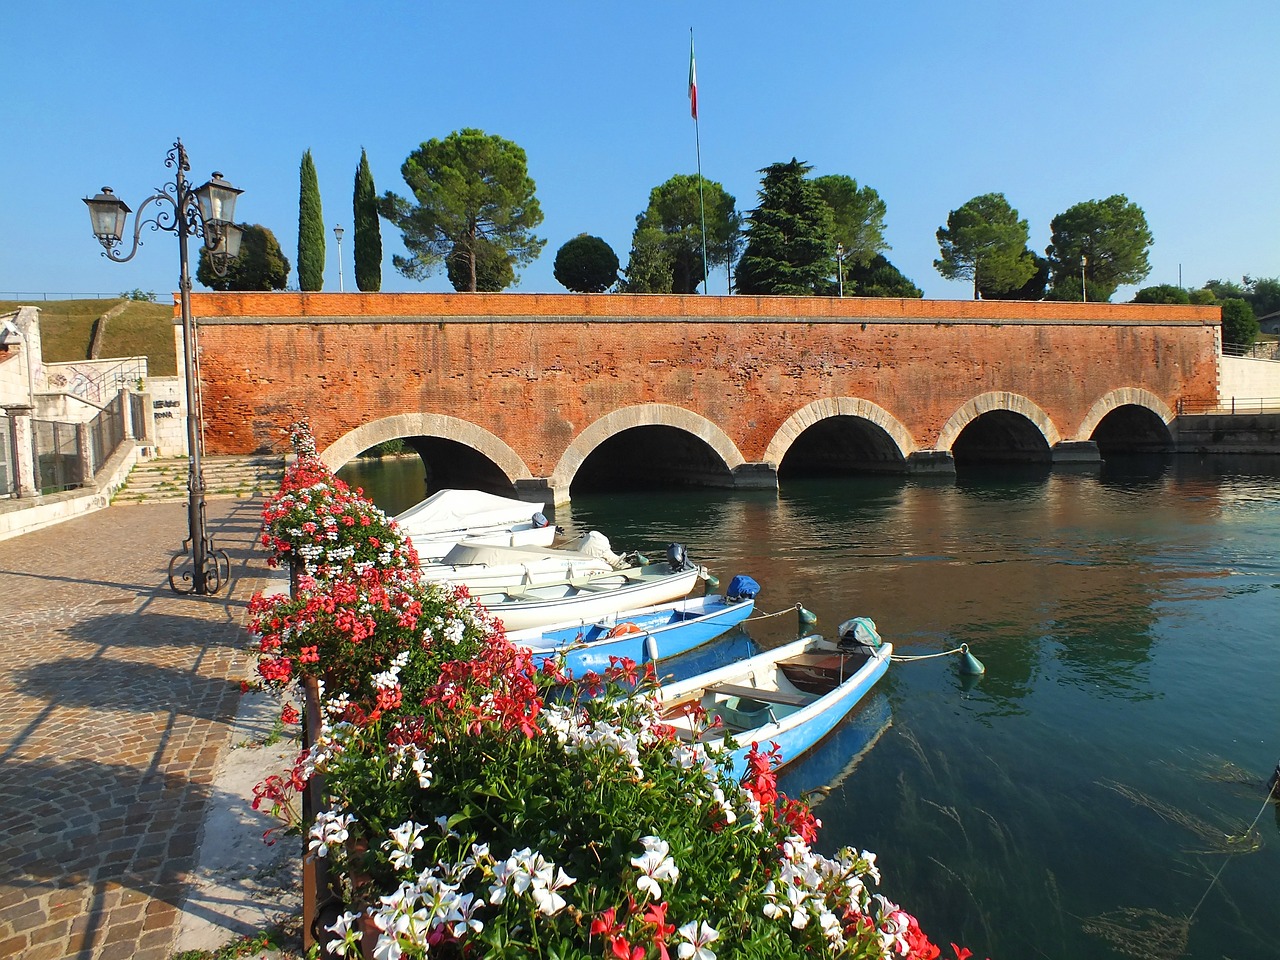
(539, 521)
(859, 636)
(741, 587)
(677, 558)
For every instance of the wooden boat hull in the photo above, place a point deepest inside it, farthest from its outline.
(670, 629)
(759, 701)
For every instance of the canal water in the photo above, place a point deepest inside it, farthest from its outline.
(1100, 791)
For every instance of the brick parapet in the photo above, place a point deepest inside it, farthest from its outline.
(556, 308)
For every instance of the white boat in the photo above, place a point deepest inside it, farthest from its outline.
(488, 566)
(792, 696)
(446, 517)
(590, 597)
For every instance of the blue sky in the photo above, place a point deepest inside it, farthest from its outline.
(1173, 104)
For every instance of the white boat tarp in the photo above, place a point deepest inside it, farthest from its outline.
(449, 510)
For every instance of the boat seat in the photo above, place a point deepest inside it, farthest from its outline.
(765, 696)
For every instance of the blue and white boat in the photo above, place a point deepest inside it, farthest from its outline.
(793, 695)
(648, 633)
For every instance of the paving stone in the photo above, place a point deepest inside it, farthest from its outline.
(118, 696)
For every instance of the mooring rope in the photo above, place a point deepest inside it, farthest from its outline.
(765, 616)
(1212, 882)
(963, 648)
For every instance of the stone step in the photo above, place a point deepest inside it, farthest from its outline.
(165, 480)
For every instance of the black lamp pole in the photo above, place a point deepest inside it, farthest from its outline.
(207, 212)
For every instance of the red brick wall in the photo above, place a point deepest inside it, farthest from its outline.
(536, 369)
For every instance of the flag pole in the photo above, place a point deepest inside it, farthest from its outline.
(697, 139)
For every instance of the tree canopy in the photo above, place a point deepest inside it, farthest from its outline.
(1239, 325)
(1162, 293)
(368, 229)
(470, 189)
(985, 242)
(857, 215)
(493, 270)
(878, 278)
(310, 228)
(260, 265)
(586, 264)
(790, 236)
(672, 223)
(1104, 241)
(1261, 293)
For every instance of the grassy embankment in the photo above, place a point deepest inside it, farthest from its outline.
(142, 330)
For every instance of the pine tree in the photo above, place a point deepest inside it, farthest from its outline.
(789, 237)
(368, 240)
(310, 228)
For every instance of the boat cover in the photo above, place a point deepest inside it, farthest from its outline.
(449, 510)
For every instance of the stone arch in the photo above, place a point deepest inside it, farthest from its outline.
(642, 415)
(996, 400)
(1123, 397)
(366, 435)
(818, 410)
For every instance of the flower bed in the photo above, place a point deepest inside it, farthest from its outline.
(484, 804)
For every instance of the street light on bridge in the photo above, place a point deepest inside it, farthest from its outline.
(207, 211)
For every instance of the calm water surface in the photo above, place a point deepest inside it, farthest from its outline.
(1080, 798)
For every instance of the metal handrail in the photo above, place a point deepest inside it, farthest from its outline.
(1229, 405)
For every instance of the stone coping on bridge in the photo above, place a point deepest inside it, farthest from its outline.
(247, 307)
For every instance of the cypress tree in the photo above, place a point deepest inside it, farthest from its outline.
(368, 241)
(790, 249)
(310, 228)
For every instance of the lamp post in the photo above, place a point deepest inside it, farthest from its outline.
(207, 211)
(337, 232)
(1084, 291)
(840, 267)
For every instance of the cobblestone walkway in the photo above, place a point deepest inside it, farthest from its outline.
(115, 700)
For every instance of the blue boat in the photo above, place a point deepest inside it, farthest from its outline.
(793, 695)
(647, 633)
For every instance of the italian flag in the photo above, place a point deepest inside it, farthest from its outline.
(693, 82)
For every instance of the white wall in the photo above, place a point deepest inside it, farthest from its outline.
(1249, 379)
(169, 415)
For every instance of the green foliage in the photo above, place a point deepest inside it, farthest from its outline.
(470, 189)
(651, 267)
(368, 229)
(260, 264)
(140, 295)
(673, 222)
(1264, 295)
(1239, 325)
(1033, 289)
(1162, 293)
(878, 278)
(586, 264)
(1107, 239)
(387, 448)
(858, 215)
(1226, 289)
(985, 242)
(493, 269)
(310, 228)
(790, 246)
(1203, 297)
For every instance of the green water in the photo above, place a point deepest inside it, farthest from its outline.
(1078, 800)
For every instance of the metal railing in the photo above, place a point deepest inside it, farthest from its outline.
(1262, 350)
(51, 295)
(8, 471)
(106, 430)
(1229, 405)
(58, 458)
(138, 415)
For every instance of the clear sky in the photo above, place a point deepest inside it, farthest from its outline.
(1173, 104)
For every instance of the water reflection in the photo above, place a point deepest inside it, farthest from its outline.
(1127, 622)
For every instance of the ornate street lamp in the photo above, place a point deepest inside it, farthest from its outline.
(840, 266)
(209, 212)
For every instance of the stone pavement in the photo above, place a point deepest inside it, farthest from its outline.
(116, 699)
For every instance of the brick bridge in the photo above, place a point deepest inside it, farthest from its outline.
(541, 392)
